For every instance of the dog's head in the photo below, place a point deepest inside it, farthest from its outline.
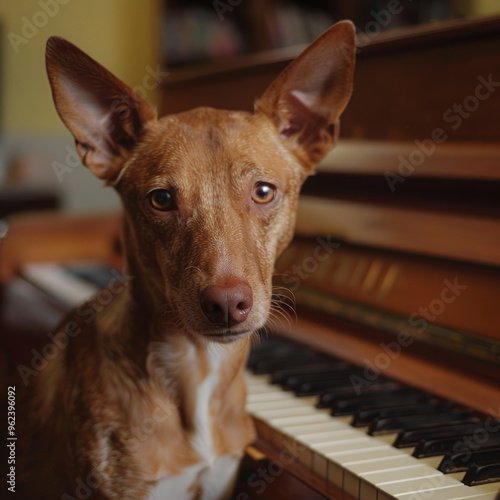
(209, 196)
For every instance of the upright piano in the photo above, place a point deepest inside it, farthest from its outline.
(379, 377)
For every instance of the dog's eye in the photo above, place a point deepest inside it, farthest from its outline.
(263, 192)
(162, 200)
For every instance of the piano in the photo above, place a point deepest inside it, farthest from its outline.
(379, 376)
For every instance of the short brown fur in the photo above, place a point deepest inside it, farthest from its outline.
(168, 351)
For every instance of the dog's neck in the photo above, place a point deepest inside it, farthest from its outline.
(147, 326)
(194, 389)
(147, 300)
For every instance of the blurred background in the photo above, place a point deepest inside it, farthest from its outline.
(148, 44)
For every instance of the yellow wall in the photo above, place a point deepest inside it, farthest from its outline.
(485, 7)
(123, 35)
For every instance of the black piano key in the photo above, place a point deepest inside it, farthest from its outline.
(380, 387)
(278, 352)
(295, 379)
(434, 447)
(275, 346)
(267, 340)
(482, 474)
(349, 406)
(101, 276)
(331, 376)
(392, 424)
(315, 388)
(386, 404)
(281, 375)
(264, 365)
(365, 417)
(411, 437)
(270, 366)
(328, 386)
(459, 462)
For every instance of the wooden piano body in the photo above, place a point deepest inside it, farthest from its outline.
(396, 263)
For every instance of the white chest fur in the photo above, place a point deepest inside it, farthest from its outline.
(214, 476)
(203, 481)
(202, 439)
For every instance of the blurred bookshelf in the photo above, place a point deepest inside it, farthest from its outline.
(195, 31)
(440, 46)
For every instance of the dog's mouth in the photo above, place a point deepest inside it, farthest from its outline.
(226, 336)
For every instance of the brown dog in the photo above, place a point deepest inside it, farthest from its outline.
(147, 398)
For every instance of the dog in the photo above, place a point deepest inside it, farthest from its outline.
(147, 398)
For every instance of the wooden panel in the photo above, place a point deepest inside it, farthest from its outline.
(455, 384)
(230, 85)
(294, 481)
(470, 160)
(461, 297)
(405, 82)
(410, 94)
(58, 238)
(462, 237)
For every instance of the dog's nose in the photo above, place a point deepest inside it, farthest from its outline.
(227, 305)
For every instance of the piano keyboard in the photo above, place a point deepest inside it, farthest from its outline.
(380, 441)
(375, 440)
(69, 285)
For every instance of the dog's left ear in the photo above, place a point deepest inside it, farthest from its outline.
(308, 97)
(105, 116)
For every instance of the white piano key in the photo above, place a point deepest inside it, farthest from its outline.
(338, 436)
(323, 456)
(253, 382)
(271, 430)
(331, 437)
(431, 461)
(364, 467)
(459, 492)
(280, 404)
(59, 282)
(302, 434)
(331, 424)
(337, 462)
(421, 485)
(294, 411)
(389, 439)
(310, 419)
(414, 471)
(269, 412)
(352, 471)
(370, 482)
(268, 396)
(484, 496)
(346, 446)
(393, 462)
(256, 391)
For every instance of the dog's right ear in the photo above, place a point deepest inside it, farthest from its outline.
(306, 100)
(105, 116)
